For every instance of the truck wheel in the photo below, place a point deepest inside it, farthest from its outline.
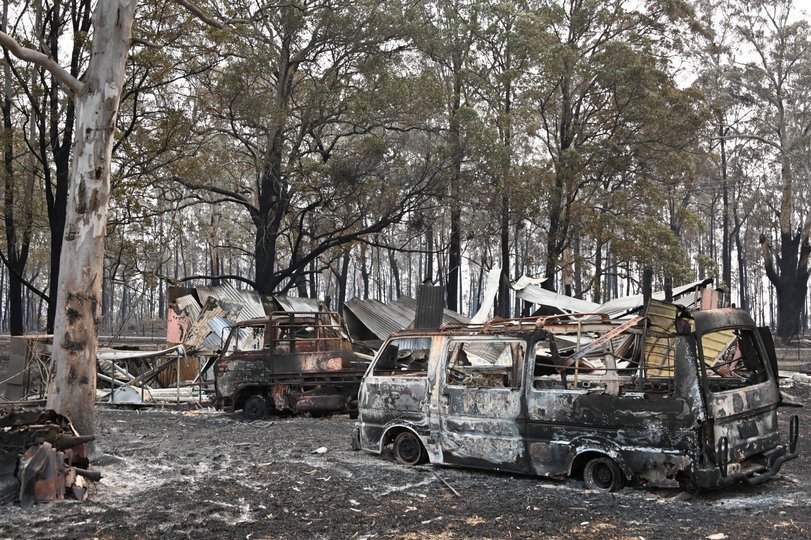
(408, 449)
(255, 407)
(603, 474)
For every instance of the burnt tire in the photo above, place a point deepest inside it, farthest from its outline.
(408, 449)
(603, 474)
(255, 407)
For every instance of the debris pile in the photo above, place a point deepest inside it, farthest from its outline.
(42, 458)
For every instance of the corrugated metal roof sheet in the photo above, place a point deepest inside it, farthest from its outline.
(448, 316)
(490, 291)
(538, 295)
(294, 303)
(381, 319)
(626, 304)
(198, 336)
(249, 301)
(190, 306)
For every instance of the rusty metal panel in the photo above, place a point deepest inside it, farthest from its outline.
(13, 369)
(200, 330)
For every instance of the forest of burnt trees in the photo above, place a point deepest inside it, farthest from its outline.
(334, 149)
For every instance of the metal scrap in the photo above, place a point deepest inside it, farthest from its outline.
(42, 458)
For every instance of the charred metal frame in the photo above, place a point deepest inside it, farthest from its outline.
(42, 458)
(678, 425)
(305, 363)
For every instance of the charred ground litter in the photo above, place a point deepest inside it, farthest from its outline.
(202, 473)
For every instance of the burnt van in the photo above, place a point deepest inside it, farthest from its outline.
(297, 362)
(670, 396)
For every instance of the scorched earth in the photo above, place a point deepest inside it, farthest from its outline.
(205, 474)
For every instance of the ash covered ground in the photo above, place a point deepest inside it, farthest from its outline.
(205, 474)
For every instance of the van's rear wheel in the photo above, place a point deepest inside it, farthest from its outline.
(603, 474)
(255, 407)
(408, 449)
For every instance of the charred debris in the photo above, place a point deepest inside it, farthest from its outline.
(569, 362)
(42, 458)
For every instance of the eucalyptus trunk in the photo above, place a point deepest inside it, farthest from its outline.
(73, 390)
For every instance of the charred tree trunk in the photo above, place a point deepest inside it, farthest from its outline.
(790, 275)
(455, 245)
(73, 390)
(429, 255)
(742, 265)
(502, 308)
(726, 252)
(274, 191)
(213, 248)
(647, 284)
(364, 272)
(395, 273)
(18, 217)
(343, 276)
(789, 278)
(597, 280)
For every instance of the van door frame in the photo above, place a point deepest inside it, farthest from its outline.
(466, 431)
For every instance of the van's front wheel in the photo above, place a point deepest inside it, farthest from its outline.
(603, 474)
(408, 449)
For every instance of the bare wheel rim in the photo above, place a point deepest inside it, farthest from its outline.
(408, 448)
(603, 474)
(255, 407)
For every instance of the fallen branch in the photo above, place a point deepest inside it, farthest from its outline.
(446, 483)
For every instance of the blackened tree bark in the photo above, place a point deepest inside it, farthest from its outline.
(395, 274)
(18, 240)
(364, 272)
(502, 307)
(789, 274)
(342, 277)
(647, 284)
(18, 217)
(726, 253)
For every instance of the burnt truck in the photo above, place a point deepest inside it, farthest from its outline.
(289, 361)
(662, 398)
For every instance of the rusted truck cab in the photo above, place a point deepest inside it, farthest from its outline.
(611, 402)
(295, 362)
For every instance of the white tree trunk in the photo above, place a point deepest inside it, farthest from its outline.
(73, 392)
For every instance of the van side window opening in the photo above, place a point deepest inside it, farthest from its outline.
(626, 364)
(407, 357)
(484, 364)
(732, 359)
